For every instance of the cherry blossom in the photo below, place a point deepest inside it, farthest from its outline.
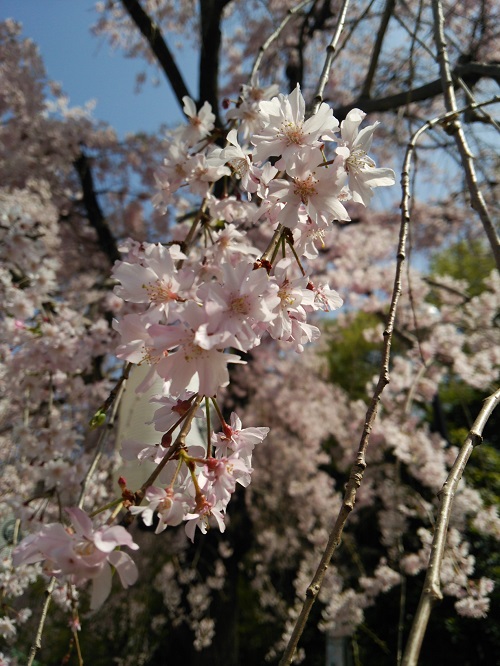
(81, 553)
(169, 505)
(283, 128)
(353, 149)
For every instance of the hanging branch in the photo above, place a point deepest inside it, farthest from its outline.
(152, 33)
(388, 11)
(431, 591)
(477, 200)
(263, 48)
(39, 633)
(330, 52)
(358, 468)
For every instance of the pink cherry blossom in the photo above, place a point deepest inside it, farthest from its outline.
(205, 507)
(169, 505)
(220, 475)
(354, 147)
(244, 299)
(311, 188)
(284, 128)
(81, 553)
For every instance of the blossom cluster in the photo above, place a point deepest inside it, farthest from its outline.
(280, 182)
(199, 307)
(203, 486)
(81, 553)
(196, 307)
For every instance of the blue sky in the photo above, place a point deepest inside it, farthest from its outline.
(88, 68)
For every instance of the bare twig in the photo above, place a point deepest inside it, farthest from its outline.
(263, 48)
(38, 638)
(432, 589)
(115, 397)
(330, 52)
(377, 48)
(455, 128)
(469, 72)
(485, 117)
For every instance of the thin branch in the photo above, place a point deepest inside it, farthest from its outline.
(353, 24)
(330, 53)
(482, 115)
(114, 399)
(477, 200)
(38, 638)
(263, 48)
(434, 283)
(470, 72)
(152, 33)
(95, 215)
(432, 589)
(357, 470)
(377, 48)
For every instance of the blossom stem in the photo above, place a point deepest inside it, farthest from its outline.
(290, 245)
(219, 413)
(277, 247)
(78, 648)
(209, 426)
(177, 470)
(114, 513)
(174, 449)
(273, 243)
(113, 400)
(109, 505)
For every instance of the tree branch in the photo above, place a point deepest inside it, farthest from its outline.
(263, 47)
(455, 129)
(330, 53)
(210, 19)
(152, 33)
(388, 10)
(95, 215)
(432, 588)
(39, 633)
(469, 72)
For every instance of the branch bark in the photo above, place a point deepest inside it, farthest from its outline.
(470, 73)
(477, 200)
(432, 588)
(96, 217)
(152, 33)
(377, 48)
(210, 19)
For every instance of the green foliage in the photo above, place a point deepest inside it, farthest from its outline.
(352, 359)
(468, 260)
